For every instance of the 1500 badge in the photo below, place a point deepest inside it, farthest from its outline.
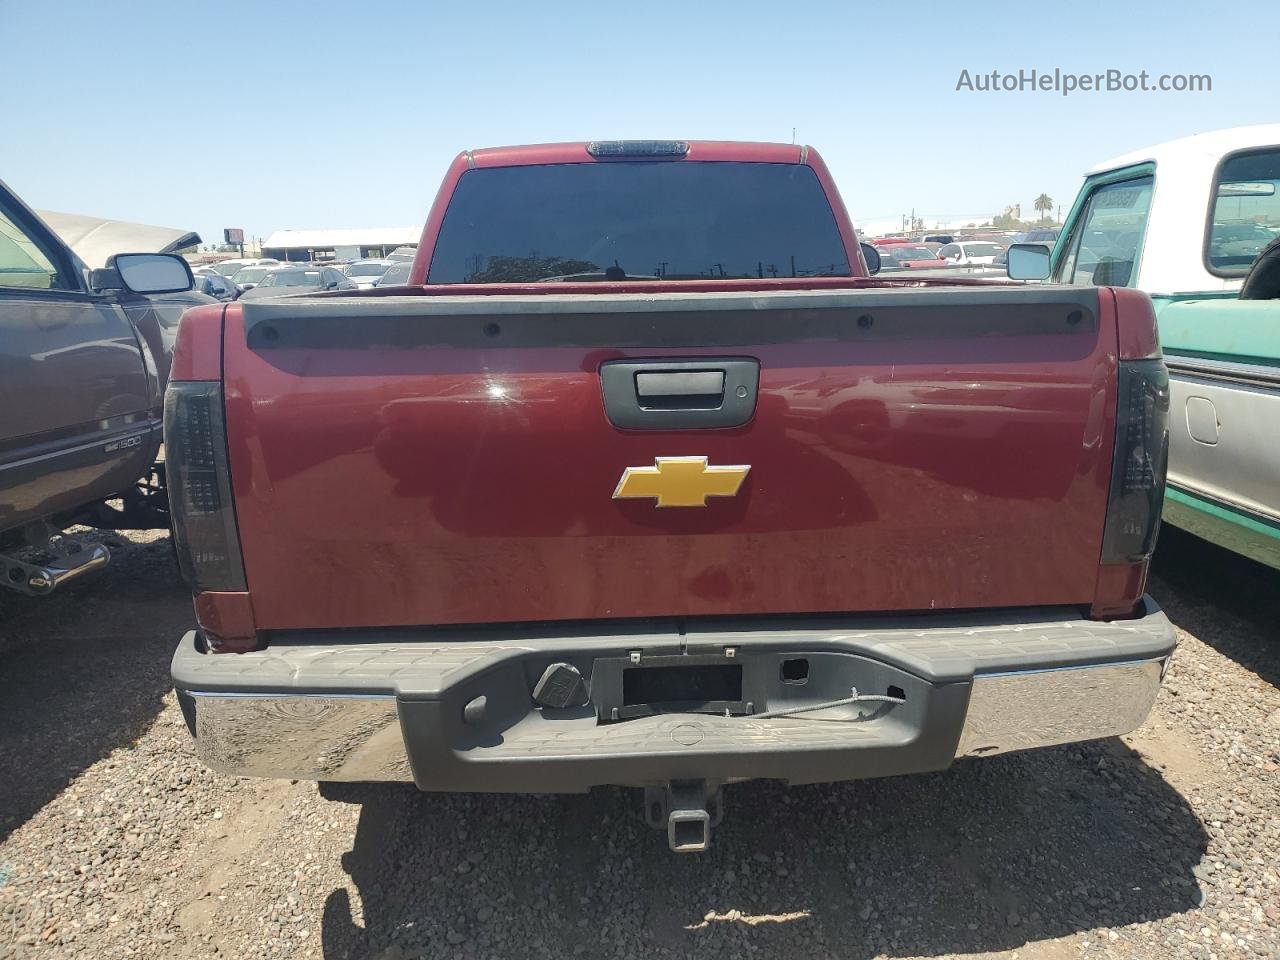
(124, 444)
(680, 482)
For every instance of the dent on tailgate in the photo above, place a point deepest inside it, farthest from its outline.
(442, 460)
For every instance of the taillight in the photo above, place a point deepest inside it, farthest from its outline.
(1140, 462)
(199, 483)
(1138, 469)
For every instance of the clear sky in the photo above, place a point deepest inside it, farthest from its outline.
(273, 115)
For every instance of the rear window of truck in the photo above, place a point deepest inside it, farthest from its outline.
(1246, 211)
(683, 220)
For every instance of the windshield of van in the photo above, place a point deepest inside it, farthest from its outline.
(682, 220)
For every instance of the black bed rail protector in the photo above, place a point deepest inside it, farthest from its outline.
(671, 320)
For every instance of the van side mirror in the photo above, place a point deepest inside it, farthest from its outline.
(144, 273)
(872, 256)
(1028, 261)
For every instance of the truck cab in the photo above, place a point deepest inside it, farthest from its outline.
(1194, 223)
(83, 361)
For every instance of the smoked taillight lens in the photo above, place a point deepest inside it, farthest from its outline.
(199, 483)
(1139, 464)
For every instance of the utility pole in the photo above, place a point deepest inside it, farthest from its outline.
(793, 134)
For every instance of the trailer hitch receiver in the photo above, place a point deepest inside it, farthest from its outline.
(688, 809)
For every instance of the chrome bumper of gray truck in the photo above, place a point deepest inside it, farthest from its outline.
(454, 710)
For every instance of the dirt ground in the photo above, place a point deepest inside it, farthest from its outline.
(115, 842)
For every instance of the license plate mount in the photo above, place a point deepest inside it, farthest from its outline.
(623, 689)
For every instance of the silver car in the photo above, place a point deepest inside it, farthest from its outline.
(283, 281)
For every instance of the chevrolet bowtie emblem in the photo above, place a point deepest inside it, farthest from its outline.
(680, 482)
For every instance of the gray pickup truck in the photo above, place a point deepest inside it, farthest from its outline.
(84, 357)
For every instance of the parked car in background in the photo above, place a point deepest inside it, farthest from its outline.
(396, 275)
(1194, 222)
(250, 277)
(216, 286)
(287, 280)
(939, 238)
(229, 268)
(365, 273)
(970, 253)
(1045, 235)
(403, 253)
(1238, 243)
(84, 356)
(909, 256)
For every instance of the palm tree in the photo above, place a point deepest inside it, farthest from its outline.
(1043, 204)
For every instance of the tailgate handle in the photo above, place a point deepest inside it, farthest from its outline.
(680, 394)
(680, 388)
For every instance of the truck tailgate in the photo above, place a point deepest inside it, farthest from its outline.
(442, 459)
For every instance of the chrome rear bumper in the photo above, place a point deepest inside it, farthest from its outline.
(392, 711)
(301, 736)
(1044, 708)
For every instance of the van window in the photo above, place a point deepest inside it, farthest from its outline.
(1246, 211)
(1104, 244)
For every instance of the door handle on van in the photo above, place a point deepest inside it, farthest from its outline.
(680, 394)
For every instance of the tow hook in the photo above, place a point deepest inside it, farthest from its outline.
(688, 809)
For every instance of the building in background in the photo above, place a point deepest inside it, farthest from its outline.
(301, 245)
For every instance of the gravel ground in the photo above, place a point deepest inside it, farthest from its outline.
(114, 842)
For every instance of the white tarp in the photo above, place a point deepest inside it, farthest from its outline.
(94, 239)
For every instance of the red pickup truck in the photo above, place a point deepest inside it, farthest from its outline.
(644, 480)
